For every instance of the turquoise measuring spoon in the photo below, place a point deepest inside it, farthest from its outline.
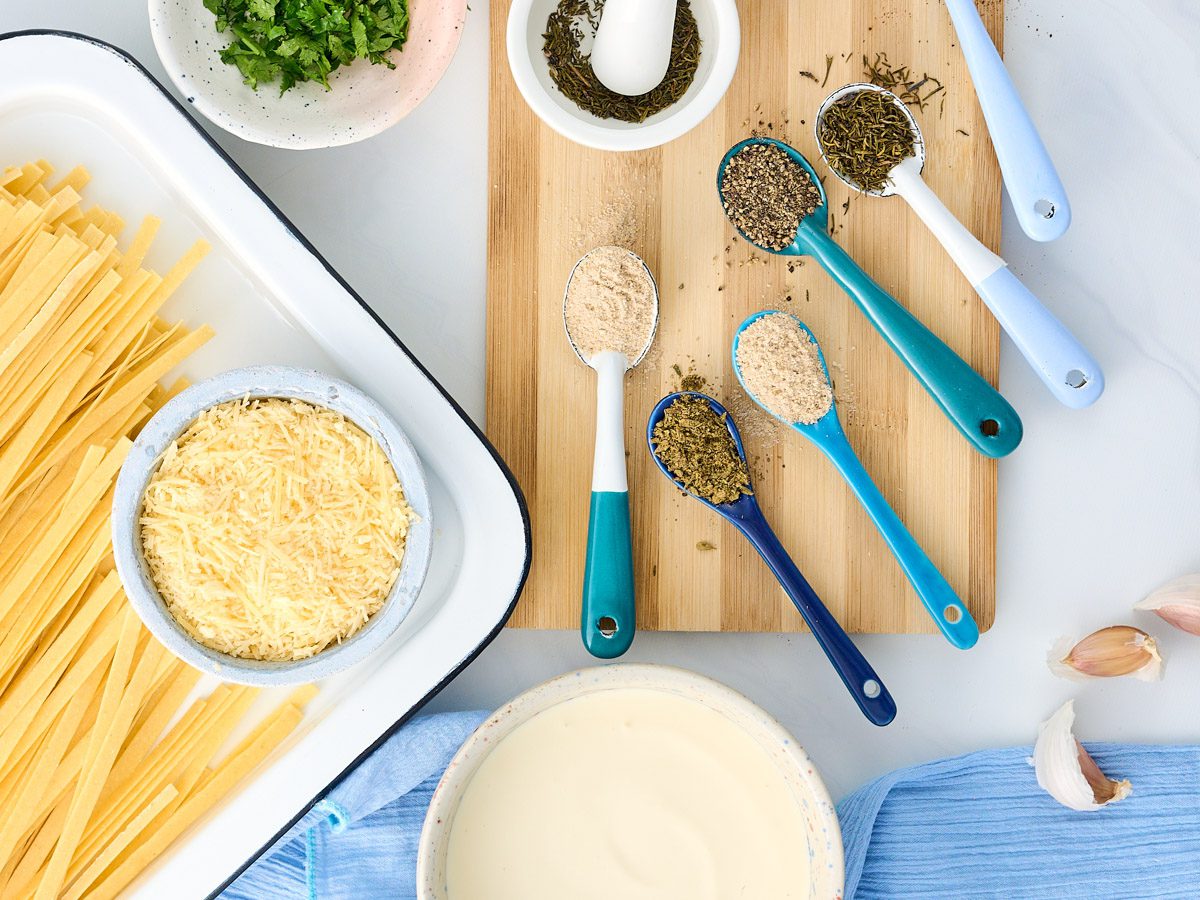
(608, 608)
(745, 515)
(976, 408)
(943, 605)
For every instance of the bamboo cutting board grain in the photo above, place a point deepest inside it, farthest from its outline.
(551, 201)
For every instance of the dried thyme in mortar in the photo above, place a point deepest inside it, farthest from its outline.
(863, 136)
(571, 68)
(695, 445)
(766, 194)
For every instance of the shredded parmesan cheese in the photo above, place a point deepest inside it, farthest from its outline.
(274, 528)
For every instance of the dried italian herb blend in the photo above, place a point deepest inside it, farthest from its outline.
(766, 193)
(571, 27)
(695, 445)
(863, 136)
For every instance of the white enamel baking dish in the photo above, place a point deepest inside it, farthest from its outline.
(272, 299)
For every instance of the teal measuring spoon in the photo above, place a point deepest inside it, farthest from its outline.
(608, 611)
(867, 688)
(939, 599)
(976, 408)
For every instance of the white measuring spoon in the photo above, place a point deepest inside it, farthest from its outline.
(608, 617)
(632, 48)
(1064, 366)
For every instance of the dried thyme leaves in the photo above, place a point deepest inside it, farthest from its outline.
(571, 68)
(766, 194)
(863, 136)
(901, 82)
(695, 445)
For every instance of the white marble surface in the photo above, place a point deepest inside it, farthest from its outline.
(1096, 507)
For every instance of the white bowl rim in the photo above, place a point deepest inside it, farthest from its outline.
(215, 112)
(644, 137)
(143, 460)
(593, 679)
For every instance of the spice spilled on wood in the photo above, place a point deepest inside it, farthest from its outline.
(781, 368)
(694, 444)
(901, 81)
(766, 194)
(567, 42)
(610, 304)
(863, 136)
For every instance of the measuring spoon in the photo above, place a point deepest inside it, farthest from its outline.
(608, 616)
(947, 611)
(976, 408)
(1062, 363)
(1036, 191)
(745, 515)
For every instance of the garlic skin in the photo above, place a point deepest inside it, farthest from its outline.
(1177, 603)
(1066, 772)
(1107, 653)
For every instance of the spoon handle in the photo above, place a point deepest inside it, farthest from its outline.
(608, 610)
(1063, 364)
(976, 408)
(947, 610)
(856, 673)
(1036, 191)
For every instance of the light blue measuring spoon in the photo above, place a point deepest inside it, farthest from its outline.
(745, 515)
(976, 408)
(946, 609)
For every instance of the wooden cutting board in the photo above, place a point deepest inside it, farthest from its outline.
(551, 201)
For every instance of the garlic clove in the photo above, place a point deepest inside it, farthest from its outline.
(1067, 772)
(1107, 653)
(1177, 603)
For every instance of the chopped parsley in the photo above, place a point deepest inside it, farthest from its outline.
(293, 41)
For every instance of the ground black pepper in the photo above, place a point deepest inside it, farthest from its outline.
(766, 194)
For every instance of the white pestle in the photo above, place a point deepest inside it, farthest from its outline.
(632, 47)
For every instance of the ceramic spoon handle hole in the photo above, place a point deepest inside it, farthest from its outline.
(1045, 208)
(607, 626)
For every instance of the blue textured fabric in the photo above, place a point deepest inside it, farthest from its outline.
(979, 826)
(361, 841)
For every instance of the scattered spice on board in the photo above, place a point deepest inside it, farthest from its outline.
(901, 82)
(766, 194)
(863, 136)
(567, 42)
(694, 444)
(781, 366)
(610, 304)
(705, 545)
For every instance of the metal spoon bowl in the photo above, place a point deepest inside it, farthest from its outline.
(744, 513)
(918, 140)
(976, 408)
(942, 603)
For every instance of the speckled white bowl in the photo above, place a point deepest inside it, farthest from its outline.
(143, 460)
(795, 768)
(365, 99)
(720, 46)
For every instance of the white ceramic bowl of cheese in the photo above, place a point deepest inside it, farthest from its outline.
(791, 776)
(288, 383)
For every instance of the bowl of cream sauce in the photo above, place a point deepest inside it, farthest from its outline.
(636, 781)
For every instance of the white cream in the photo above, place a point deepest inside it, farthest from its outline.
(628, 793)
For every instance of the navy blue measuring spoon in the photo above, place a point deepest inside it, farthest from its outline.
(744, 513)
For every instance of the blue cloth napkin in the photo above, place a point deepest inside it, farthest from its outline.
(360, 841)
(979, 826)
